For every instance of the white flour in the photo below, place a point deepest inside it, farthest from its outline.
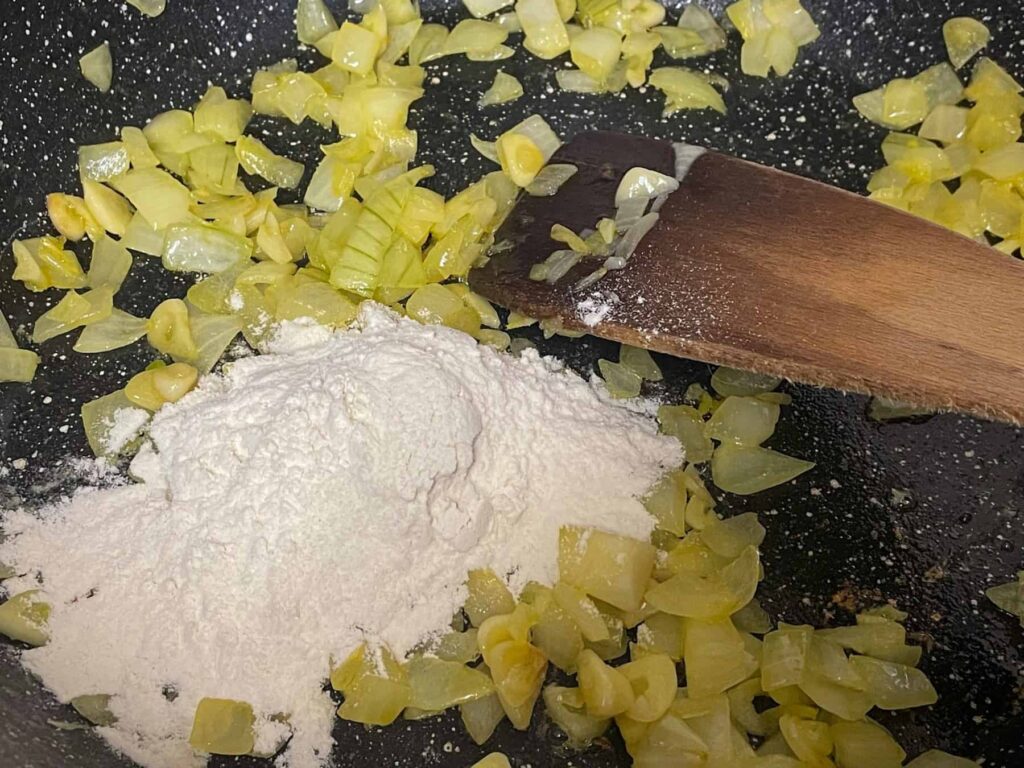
(336, 489)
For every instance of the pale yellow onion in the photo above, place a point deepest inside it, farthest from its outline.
(732, 381)
(744, 421)
(151, 8)
(223, 727)
(17, 364)
(550, 179)
(1009, 597)
(483, 8)
(427, 43)
(473, 35)
(256, 158)
(73, 311)
(546, 35)
(313, 20)
(99, 418)
(212, 334)
(203, 248)
(645, 184)
(685, 89)
(118, 330)
(504, 89)
(98, 67)
(749, 470)
(143, 237)
(109, 265)
(108, 209)
(964, 37)
(157, 196)
(936, 758)
(102, 162)
(945, 123)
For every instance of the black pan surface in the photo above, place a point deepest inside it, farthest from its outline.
(924, 514)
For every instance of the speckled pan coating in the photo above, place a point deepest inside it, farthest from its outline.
(840, 529)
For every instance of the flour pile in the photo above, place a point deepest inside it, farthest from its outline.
(333, 490)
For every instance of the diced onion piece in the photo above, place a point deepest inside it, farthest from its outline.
(653, 678)
(98, 67)
(550, 179)
(436, 685)
(936, 758)
(866, 743)
(685, 89)
(699, 19)
(71, 216)
(945, 123)
(488, 149)
(151, 8)
(203, 248)
(481, 717)
(428, 43)
(213, 334)
(219, 116)
(153, 387)
(493, 760)
(732, 381)
(356, 48)
(566, 708)
(7, 340)
(633, 236)
(639, 360)
(112, 423)
(643, 183)
(810, 740)
(313, 20)
(964, 37)
(504, 89)
(94, 707)
(1004, 163)
(108, 210)
(483, 8)
(894, 686)
(473, 36)
(606, 691)
(614, 569)
(42, 263)
(686, 425)
(596, 51)
(744, 470)
(577, 82)
(717, 595)
(715, 657)
(139, 152)
(118, 330)
(257, 159)
(102, 162)
(773, 31)
(622, 383)
(743, 421)
(17, 365)
(223, 727)
(168, 330)
(109, 265)
(487, 596)
(546, 35)
(1009, 597)
(157, 196)
(73, 311)
(23, 618)
(732, 536)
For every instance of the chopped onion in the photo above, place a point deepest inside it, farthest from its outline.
(729, 382)
(550, 179)
(102, 162)
(7, 340)
(355, 48)
(1009, 597)
(945, 123)
(622, 382)
(157, 196)
(685, 89)
(18, 365)
(505, 88)
(559, 264)
(151, 8)
(203, 248)
(643, 183)
(482, 8)
(98, 67)
(428, 43)
(964, 37)
(632, 237)
(109, 210)
(700, 20)
(313, 20)
(473, 36)
(772, 34)
(524, 149)
(748, 470)
(509, 21)
(596, 51)
(73, 311)
(886, 409)
(546, 35)
(639, 361)
(212, 335)
(42, 262)
(488, 149)
(118, 330)
(577, 82)
(585, 282)
(257, 159)
(109, 265)
(143, 237)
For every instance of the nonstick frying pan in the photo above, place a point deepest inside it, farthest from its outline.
(924, 514)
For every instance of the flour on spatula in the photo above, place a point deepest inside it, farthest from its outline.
(333, 490)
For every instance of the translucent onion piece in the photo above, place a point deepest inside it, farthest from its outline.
(473, 36)
(203, 248)
(643, 183)
(964, 37)
(102, 162)
(894, 686)
(42, 263)
(98, 67)
(745, 471)
(715, 656)
(732, 381)
(550, 179)
(153, 387)
(885, 409)
(437, 685)
(634, 235)
(221, 117)
(686, 425)
(94, 707)
(488, 149)
(640, 362)
(1009, 597)
(744, 421)
(168, 330)
(611, 568)
(313, 20)
(428, 43)
(621, 382)
(212, 334)
(504, 89)
(257, 159)
(73, 311)
(566, 709)
(546, 35)
(23, 618)
(17, 365)
(143, 237)
(596, 51)
(223, 727)
(936, 758)
(685, 89)
(112, 423)
(108, 209)
(151, 8)
(945, 123)
(493, 760)
(7, 340)
(355, 48)
(157, 196)
(118, 330)
(109, 265)
(700, 20)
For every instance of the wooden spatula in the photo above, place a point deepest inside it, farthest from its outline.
(762, 270)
